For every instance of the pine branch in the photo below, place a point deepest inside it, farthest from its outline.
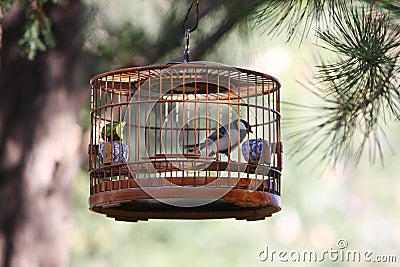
(359, 90)
(37, 35)
(392, 5)
(290, 16)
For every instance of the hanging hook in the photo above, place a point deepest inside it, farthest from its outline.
(187, 47)
(189, 30)
(194, 4)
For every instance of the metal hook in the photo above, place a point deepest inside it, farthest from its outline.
(194, 4)
(189, 30)
(187, 47)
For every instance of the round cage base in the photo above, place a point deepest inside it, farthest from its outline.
(134, 204)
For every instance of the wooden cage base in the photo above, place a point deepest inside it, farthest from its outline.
(138, 204)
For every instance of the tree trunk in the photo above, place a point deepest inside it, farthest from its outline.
(39, 139)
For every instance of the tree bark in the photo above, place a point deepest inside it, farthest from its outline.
(39, 139)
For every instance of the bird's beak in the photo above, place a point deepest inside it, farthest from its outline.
(250, 131)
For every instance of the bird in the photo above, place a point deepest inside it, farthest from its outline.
(223, 135)
(113, 131)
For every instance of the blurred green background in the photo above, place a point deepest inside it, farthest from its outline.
(319, 206)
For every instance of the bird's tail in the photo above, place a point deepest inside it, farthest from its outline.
(195, 147)
(191, 148)
(200, 148)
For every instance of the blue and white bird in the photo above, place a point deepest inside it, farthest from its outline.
(218, 141)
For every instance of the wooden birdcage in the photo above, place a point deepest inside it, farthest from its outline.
(167, 142)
